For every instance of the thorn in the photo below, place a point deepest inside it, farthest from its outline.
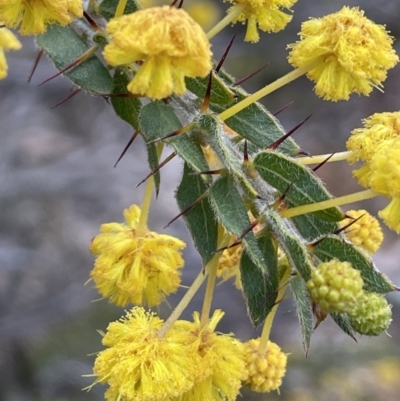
(283, 108)
(79, 60)
(283, 196)
(245, 153)
(180, 4)
(35, 64)
(135, 134)
(221, 62)
(162, 164)
(71, 95)
(91, 21)
(303, 153)
(280, 140)
(178, 132)
(339, 230)
(207, 96)
(199, 199)
(232, 245)
(322, 163)
(105, 95)
(209, 172)
(244, 79)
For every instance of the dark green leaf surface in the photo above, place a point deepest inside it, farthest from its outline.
(107, 8)
(343, 321)
(200, 218)
(63, 45)
(231, 211)
(260, 290)
(304, 309)
(332, 247)
(280, 171)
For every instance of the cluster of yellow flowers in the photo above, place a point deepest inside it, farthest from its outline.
(145, 357)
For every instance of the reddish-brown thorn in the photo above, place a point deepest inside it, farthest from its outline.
(207, 96)
(302, 152)
(245, 153)
(171, 135)
(322, 163)
(199, 199)
(91, 21)
(280, 140)
(128, 145)
(221, 62)
(106, 95)
(283, 108)
(232, 245)
(180, 4)
(35, 64)
(162, 164)
(244, 79)
(339, 230)
(283, 196)
(209, 172)
(80, 59)
(71, 95)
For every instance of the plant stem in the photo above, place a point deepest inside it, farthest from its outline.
(320, 158)
(341, 200)
(291, 76)
(183, 303)
(120, 8)
(211, 268)
(235, 11)
(270, 318)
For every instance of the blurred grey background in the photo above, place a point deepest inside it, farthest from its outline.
(58, 185)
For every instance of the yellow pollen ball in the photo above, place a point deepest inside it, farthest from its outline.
(266, 369)
(262, 14)
(342, 53)
(32, 16)
(228, 265)
(135, 265)
(365, 232)
(171, 49)
(139, 366)
(7, 42)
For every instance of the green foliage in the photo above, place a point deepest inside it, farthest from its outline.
(107, 8)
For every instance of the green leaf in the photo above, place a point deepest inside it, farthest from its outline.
(200, 218)
(127, 108)
(343, 321)
(260, 290)
(220, 92)
(153, 159)
(332, 247)
(295, 250)
(281, 171)
(257, 125)
(304, 309)
(231, 211)
(107, 8)
(158, 120)
(63, 45)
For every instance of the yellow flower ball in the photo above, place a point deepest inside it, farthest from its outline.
(365, 232)
(134, 264)
(262, 14)
(173, 48)
(7, 42)
(32, 16)
(266, 369)
(342, 53)
(138, 365)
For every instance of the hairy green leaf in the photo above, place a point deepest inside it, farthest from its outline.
(107, 8)
(63, 45)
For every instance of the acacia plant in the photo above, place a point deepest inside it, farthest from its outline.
(255, 210)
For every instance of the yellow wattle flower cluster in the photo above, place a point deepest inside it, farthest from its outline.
(365, 232)
(377, 145)
(190, 363)
(173, 48)
(135, 265)
(32, 16)
(228, 265)
(343, 52)
(8, 41)
(266, 15)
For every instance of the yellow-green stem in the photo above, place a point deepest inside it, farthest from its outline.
(211, 268)
(120, 8)
(320, 158)
(183, 303)
(262, 347)
(341, 200)
(235, 11)
(291, 76)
